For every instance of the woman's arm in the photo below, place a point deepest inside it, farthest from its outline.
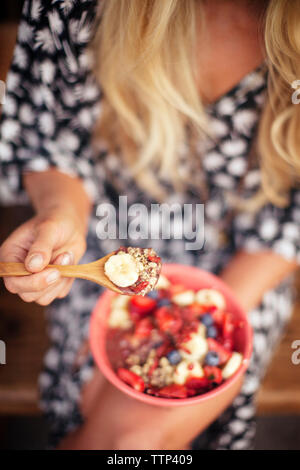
(250, 275)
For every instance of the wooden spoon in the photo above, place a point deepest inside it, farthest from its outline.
(92, 271)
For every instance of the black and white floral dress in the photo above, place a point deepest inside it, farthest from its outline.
(52, 101)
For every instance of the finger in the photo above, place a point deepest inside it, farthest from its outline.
(65, 258)
(48, 297)
(34, 296)
(33, 283)
(66, 289)
(38, 284)
(40, 252)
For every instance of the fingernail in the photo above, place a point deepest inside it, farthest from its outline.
(66, 258)
(52, 277)
(36, 261)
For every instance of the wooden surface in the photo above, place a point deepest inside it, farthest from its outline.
(23, 328)
(280, 393)
(8, 32)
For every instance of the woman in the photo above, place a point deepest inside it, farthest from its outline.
(158, 101)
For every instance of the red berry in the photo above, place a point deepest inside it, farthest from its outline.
(143, 328)
(173, 391)
(154, 259)
(140, 286)
(164, 348)
(196, 310)
(197, 383)
(168, 321)
(218, 316)
(223, 353)
(213, 374)
(152, 390)
(153, 367)
(191, 392)
(228, 344)
(141, 306)
(132, 379)
(228, 326)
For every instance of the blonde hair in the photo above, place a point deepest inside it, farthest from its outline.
(145, 63)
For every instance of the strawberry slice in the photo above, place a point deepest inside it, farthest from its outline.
(173, 391)
(191, 392)
(143, 328)
(223, 353)
(195, 310)
(141, 306)
(132, 379)
(197, 383)
(213, 374)
(167, 321)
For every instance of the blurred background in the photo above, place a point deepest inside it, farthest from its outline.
(23, 328)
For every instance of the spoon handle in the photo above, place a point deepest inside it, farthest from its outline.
(13, 269)
(18, 269)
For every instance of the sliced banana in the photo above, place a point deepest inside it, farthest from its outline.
(119, 318)
(182, 371)
(184, 298)
(197, 347)
(122, 269)
(120, 301)
(232, 365)
(162, 283)
(210, 297)
(201, 330)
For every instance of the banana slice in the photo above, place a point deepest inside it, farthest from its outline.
(201, 330)
(122, 269)
(183, 371)
(119, 318)
(210, 297)
(232, 365)
(184, 298)
(197, 347)
(120, 301)
(162, 283)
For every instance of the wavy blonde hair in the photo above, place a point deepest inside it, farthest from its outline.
(145, 63)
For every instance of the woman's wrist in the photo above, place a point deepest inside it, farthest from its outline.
(63, 212)
(57, 195)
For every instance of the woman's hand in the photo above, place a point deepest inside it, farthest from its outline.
(56, 237)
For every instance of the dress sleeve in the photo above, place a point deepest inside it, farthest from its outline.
(271, 228)
(51, 97)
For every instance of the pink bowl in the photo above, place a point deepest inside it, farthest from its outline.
(192, 278)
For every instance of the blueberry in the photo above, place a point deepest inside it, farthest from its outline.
(207, 319)
(164, 302)
(211, 332)
(212, 359)
(174, 357)
(153, 294)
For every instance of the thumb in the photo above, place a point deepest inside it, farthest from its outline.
(40, 252)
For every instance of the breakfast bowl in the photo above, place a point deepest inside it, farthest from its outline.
(233, 356)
